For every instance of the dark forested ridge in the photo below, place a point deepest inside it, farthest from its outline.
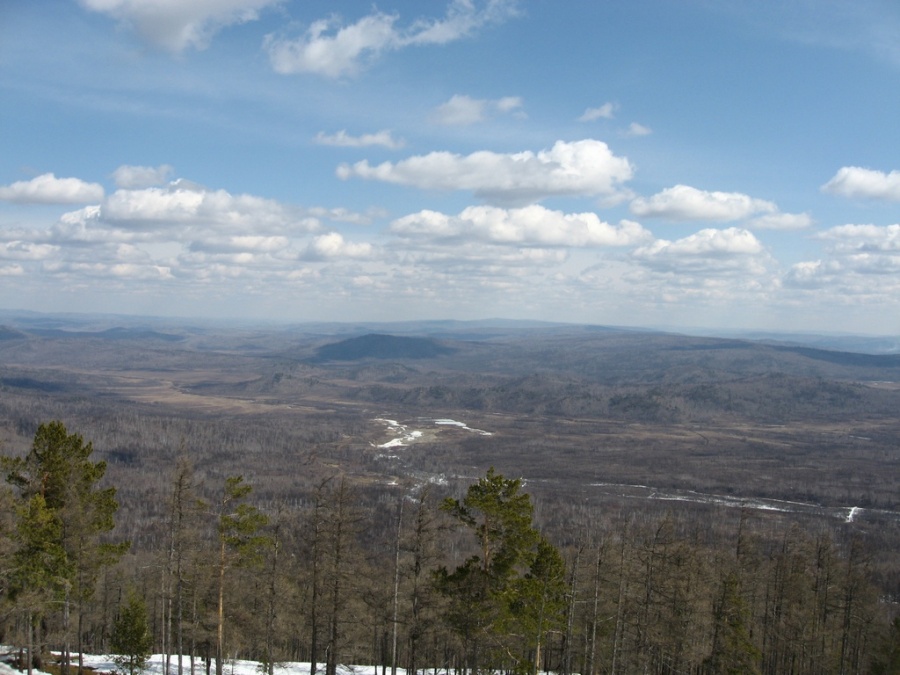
(717, 505)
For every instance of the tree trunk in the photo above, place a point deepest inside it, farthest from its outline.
(396, 603)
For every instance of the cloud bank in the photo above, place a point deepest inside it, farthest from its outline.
(529, 226)
(583, 168)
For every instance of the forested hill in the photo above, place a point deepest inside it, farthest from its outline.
(376, 346)
(749, 485)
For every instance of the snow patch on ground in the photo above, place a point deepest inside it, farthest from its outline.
(230, 667)
(405, 436)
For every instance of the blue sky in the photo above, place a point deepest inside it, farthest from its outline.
(727, 164)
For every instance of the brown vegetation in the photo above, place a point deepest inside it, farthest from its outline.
(700, 489)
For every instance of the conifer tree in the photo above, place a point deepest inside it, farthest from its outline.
(507, 587)
(240, 542)
(63, 516)
(131, 638)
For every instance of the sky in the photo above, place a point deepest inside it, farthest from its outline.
(723, 164)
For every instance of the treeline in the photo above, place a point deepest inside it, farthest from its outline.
(420, 579)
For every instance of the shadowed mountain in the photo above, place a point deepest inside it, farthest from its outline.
(7, 333)
(378, 346)
(846, 358)
(117, 333)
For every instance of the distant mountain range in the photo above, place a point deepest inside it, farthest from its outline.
(16, 324)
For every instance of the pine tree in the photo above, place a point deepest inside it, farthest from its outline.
(239, 543)
(506, 589)
(131, 638)
(538, 600)
(62, 505)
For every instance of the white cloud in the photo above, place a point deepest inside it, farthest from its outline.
(635, 129)
(683, 202)
(462, 110)
(710, 250)
(342, 139)
(334, 50)
(182, 203)
(859, 183)
(529, 226)
(847, 278)
(861, 268)
(241, 244)
(106, 271)
(12, 271)
(606, 111)
(584, 168)
(332, 246)
(871, 239)
(26, 250)
(175, 25)
(781, 221)
(48, 189)
(342, 215)
(141, 176)
(332, 55)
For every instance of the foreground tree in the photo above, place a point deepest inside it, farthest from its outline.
(131, 638)
(63, 516)
(514, 587)
(240, 543)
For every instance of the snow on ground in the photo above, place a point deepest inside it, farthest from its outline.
(231, 667)
(9, 670)
(405, 436)
(461, 425)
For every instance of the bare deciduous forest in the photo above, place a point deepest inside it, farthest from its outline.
(299, 494)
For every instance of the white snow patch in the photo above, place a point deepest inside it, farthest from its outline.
(404, 436)
(461, 425)
(230, 667)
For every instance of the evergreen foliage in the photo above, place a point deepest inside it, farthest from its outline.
(131, 639)
(515, 587)
(62, 514)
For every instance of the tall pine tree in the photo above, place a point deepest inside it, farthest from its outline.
(63, 517)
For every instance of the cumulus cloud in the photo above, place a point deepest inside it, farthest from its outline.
(175, 25)
(584, 168)
(683, 203)
(48, 189)
(709, 250)
(462, 110)
(859, 183)
(529, 226)
(864, 239)
(183, 203)
(334, 50)
(141, 176)
(860, 274)
(136, 238)
(606, 111)
(332, 246)
(342, 139)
